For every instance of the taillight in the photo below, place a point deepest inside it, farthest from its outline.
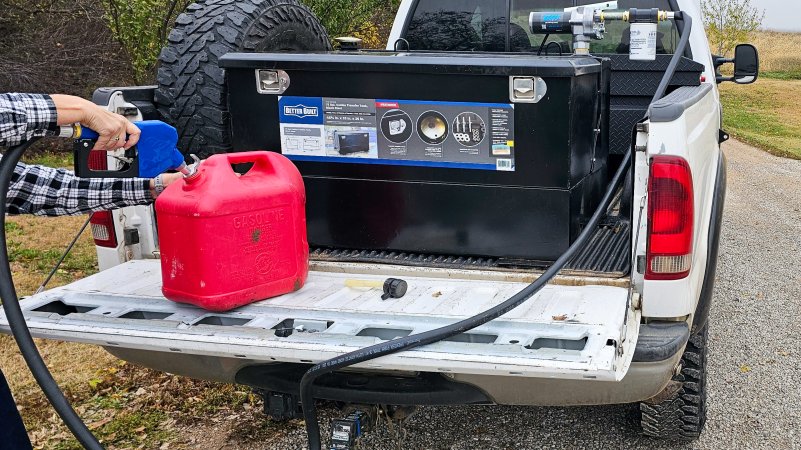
(102, 222)
(670, 219)
(103, 230)
(98, 160)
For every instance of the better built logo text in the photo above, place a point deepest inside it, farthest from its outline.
(301, 111)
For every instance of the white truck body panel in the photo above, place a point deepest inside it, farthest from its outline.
(400, 22)
(142, 218)
(693, 136)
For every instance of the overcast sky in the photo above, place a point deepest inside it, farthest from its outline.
(784, 15)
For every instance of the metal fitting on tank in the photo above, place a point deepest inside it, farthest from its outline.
(349, 43)
(191, 171)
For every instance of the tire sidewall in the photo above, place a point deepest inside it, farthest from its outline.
(192, 88)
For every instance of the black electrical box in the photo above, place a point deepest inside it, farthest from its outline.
(496, 155)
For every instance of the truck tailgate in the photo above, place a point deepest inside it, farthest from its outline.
(577, 332)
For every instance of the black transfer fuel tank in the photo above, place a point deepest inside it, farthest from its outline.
(439, 153)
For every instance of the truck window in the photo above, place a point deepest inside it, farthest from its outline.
(554, 45)
(617, 33)
(458, 25)
(481, 25)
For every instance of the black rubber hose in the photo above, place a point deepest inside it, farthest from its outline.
(439, 334)
(677, 55)
(64, 255)
(16, 320)
(542, 44)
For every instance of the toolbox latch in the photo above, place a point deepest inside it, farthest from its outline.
(271, 81)
(527, 89)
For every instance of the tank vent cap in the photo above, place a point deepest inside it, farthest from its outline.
(349, 43)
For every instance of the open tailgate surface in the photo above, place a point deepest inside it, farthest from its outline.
(564, 331)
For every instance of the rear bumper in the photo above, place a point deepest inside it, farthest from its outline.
(643, 381)
(658, 353)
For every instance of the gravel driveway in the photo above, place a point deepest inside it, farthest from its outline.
(755, 368)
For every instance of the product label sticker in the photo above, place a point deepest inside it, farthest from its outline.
(398, 132)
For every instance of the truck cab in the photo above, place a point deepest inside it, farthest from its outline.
(625, 322)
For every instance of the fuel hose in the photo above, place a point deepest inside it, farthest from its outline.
(16, 320)
(439, 334)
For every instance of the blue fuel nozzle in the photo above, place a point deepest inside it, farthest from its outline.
(155, 153)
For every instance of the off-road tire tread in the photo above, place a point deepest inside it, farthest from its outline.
(682, 417)
(191, 92)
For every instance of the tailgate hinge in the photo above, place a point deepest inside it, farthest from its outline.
(641, 139)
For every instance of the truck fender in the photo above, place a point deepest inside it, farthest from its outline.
(716, 223)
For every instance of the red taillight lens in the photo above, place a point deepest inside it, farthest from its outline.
(670, 219)
(103, 230)
(102, 222)
(98, 160)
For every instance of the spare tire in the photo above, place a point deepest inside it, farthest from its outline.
(191, 92)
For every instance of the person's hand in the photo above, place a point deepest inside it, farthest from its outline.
(115, 130)
(166, 179)
(170, 178)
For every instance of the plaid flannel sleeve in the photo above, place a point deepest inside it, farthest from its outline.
(56, 192)
(44, 191)
(23, 116)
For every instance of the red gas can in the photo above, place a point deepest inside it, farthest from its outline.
(227, 240)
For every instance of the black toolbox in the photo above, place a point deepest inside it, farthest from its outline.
(430, 152)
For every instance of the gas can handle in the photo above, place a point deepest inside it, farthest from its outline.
(260, 160)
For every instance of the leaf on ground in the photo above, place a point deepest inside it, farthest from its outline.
(744, 369)
(100, 423)
(561, 318)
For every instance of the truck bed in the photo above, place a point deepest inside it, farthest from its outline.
(574, 328)
(607, 255)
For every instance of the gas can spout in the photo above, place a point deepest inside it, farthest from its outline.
(190, 171)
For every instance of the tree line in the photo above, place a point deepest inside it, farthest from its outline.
(76, 45)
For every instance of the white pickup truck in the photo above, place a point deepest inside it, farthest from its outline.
(625, 322)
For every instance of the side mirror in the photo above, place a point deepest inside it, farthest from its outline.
(746, 65)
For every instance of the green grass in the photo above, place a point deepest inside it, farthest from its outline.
(13, 228)
(45, 259)
(765, 114)
(783, 75)
(36, 243)
(110, 401)
(50, 159)
(138, 429)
